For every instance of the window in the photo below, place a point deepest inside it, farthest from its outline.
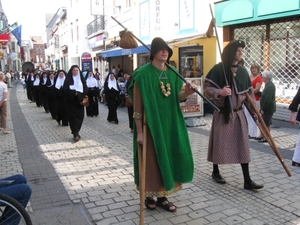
(191, 61)
(77, 33)
(13, 46)
(128, 3)
(72, 35)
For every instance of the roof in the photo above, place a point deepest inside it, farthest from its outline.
(37, 40)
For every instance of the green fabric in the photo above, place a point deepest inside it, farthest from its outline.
(267, 100)
(166, 124)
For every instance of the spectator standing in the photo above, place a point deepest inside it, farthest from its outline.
(121, 100)
(256, 82)
(294, 107)
(3, 104)
(114, 70)
(8, 78)
(98, 76)
(267, 100)
(120, 71)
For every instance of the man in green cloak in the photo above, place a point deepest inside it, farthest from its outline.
(157, 92)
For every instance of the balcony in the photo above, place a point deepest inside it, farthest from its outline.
(97, 26)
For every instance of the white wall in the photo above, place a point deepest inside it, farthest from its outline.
(78, 14)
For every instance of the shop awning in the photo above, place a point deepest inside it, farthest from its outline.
(4, 38)
(121, 51)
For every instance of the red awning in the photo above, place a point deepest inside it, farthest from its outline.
(4, 38)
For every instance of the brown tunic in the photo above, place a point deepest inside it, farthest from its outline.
(154, 184)
(229, 143)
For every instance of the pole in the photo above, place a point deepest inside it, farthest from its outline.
(265, 132)
(142, 151)
(219, 47)
(171, 68)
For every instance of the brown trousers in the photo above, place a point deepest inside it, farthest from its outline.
(3, 114)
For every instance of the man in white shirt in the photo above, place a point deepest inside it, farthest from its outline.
(3, 104)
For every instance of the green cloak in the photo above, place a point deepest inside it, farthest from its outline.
(166, 124)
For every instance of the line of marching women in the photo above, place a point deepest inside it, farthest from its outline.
(61, 95)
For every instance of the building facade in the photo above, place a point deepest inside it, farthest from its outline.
(271, 31)
(37, 53)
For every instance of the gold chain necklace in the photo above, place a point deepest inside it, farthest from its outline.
(165, 89)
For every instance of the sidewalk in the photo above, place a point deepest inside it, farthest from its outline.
(91, 181)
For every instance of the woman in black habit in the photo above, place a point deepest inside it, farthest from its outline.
(112, 90)
(61, 112)
(50, 92)
(29, 85)
(43, 95)
(75, 89)
(93, 92)
(36, 90)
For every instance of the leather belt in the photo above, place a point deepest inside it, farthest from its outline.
(234, 110)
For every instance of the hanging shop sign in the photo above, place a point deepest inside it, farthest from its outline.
(86, 61)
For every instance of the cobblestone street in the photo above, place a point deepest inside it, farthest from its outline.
(91, 181)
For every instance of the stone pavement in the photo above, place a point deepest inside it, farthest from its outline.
(91, 181)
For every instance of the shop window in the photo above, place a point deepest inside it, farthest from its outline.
(143, 59)
(275, 46)
(191, 61)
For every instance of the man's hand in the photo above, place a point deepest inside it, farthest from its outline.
(189, 88)
(226, 91)
(140, 138)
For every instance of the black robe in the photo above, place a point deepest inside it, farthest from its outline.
(29, 87)
(111, 96)
(36, 90)
(50, 92)
(43, 95)
(92, 109)
(75, 111)
(61, 112)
